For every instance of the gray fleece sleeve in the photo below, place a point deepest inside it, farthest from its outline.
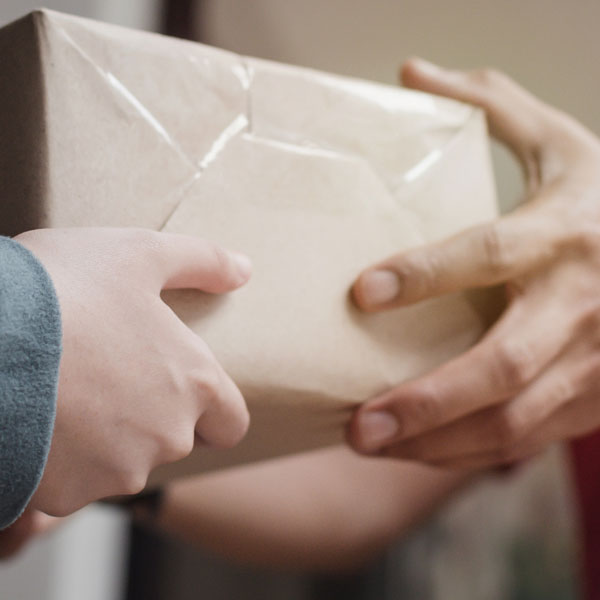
(30, 349)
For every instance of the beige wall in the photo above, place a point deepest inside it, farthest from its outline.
(550, 46)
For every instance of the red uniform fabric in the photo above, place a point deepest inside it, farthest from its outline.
(586, 469)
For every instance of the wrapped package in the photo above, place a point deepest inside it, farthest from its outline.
(313, 176)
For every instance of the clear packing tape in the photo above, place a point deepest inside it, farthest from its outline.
(314, 176)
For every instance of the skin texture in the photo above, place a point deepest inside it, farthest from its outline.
(535, 377)
(136, 387)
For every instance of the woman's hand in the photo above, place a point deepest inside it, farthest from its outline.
(136, 386)
(535, 377)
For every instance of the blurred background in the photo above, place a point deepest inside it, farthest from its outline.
(494, 540)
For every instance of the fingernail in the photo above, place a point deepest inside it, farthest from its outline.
(375, 429)
(379, 287)
(244, 264)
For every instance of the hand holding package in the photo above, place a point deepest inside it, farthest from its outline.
(313, 176)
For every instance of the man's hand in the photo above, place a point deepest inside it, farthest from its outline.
(136, 387)
(535, 377)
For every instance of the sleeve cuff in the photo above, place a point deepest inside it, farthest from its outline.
(30, 350)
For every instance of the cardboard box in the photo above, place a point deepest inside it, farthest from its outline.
(314, 176)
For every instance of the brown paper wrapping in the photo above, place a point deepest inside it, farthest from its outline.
(314, 176)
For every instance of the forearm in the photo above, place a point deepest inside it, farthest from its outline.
(324, 510)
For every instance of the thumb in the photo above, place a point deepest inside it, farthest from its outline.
(190, 262)
(481, 256)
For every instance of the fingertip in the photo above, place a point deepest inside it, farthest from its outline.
(233, 270)
(238, 433)
(370, 430)
(233, 432)
(358, 297)
(416, 69)
(244, 267)
(376, 289)
(352, 435)
(227, 271)
(408, 69)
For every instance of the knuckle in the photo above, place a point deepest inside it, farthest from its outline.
(494, 249)
(143, 239)
(421, 272)
(61, 500)
(148, 246)
(423, 411)
(60, 507)
(131, 482)
(206, 384)
(515, 364)
(431, 272)
(178, 446)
